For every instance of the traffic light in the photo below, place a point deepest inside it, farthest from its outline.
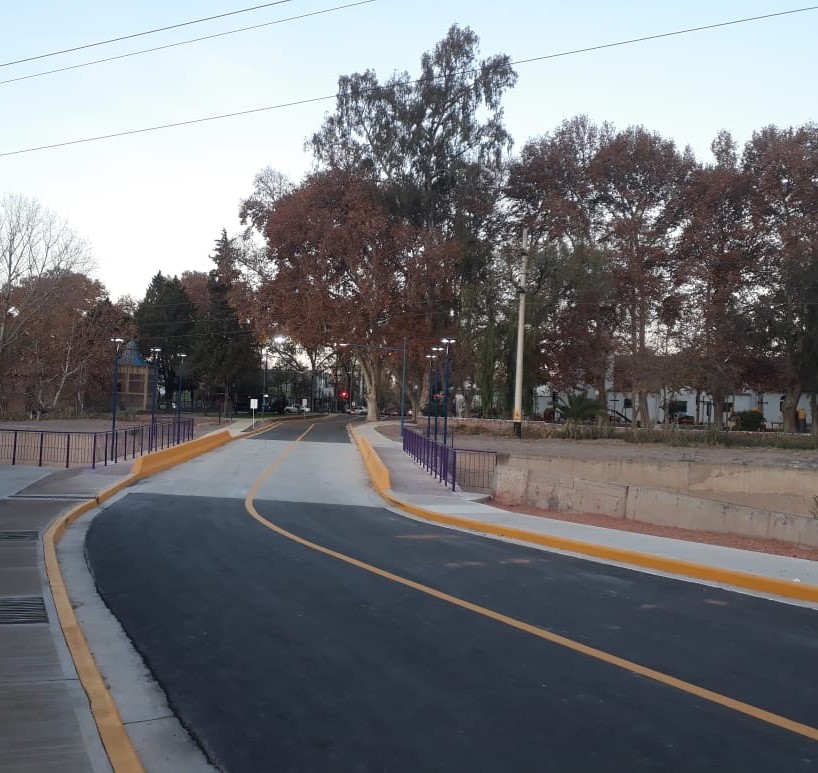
(344, 394)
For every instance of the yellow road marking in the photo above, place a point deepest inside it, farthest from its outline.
(563, 641)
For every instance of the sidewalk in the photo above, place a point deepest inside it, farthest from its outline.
(411, 484)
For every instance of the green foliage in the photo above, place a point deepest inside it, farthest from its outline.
(578, 408)
(749, 421)
(223, 354)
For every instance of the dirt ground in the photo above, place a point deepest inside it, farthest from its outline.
(596, 449)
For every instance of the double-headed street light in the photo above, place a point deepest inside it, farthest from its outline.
(155, 352)
(179, 400)
(116, 342)
(431, 358)
(446, 342)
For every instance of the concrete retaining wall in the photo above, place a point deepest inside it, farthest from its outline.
(599, 486)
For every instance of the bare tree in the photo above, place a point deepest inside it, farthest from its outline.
(37, 249)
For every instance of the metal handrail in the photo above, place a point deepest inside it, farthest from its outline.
(53, 448)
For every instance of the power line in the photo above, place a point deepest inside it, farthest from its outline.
(183, 42)
(311, 100)
(661, 35)
(142, 34)
(171, 125)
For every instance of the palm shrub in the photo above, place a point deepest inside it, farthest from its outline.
(579, 408)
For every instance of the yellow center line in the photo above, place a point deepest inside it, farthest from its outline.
(592, 652)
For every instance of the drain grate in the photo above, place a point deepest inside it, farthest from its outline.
(19, 536)
(16, 610)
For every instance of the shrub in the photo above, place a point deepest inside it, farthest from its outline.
(749, 421)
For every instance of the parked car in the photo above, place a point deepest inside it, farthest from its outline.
(296, 409)
(358, 410)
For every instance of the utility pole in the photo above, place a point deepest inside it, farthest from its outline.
(518, 375)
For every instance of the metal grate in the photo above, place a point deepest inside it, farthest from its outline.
(19, 536)
(17, 610)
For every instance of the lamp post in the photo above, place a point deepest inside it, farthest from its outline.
(431, 358)
(446, 342)
(518, 375)
(263, 384)
(116, 342)
(155, 351)
(179, 401)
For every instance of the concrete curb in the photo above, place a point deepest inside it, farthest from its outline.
(379, 476)
(114, 736)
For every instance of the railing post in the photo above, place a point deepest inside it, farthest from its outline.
(67, 448)
(14, 449)
(94, 452)
(42, 438)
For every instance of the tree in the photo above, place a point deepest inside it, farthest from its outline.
(59, 346)
(269, 186)
(422, 137)
(717, 251)
(347, 270)
(783, 167)
(37, 249)
(165, 319)
(223, 353)
(435, 144)
(637, 176)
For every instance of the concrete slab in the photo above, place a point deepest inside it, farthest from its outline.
(20, 581)
(38, 730)
(16, 477)
(21, 514)
(18, 555)
(27, 654)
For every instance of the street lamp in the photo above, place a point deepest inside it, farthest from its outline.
(155, 351)
(431, 358)
(446, 342)
(518, 374)
(179, 401)
(116, 342)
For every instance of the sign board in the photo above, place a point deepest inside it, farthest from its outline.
(253, 403)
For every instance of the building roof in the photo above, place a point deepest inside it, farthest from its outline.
(130, 356)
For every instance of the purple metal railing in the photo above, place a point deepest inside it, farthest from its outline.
(42, 447)
(468, 468)
(439, 460)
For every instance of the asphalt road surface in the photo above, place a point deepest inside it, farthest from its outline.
(349, 638)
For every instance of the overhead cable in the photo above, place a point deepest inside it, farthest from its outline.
(142, 34)
(183, 42)
(310, 100)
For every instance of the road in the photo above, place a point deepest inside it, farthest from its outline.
(297, 625)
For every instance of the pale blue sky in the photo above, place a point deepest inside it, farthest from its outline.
(158, 201)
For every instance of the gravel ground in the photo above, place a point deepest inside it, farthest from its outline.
(594, 449)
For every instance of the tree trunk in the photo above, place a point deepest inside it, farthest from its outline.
(813, 411)
(790, 407)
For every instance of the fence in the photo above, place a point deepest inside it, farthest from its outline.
(467, 468)
(49, 448)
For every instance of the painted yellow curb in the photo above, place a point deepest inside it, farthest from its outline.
(379, 475)
(112, 732)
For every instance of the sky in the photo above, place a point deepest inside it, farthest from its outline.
(157, 201)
